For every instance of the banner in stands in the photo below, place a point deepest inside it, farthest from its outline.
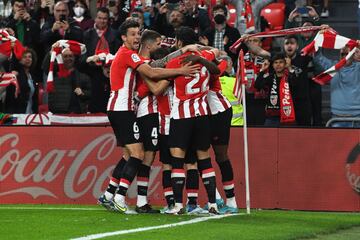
(307, 169)
(58, 119)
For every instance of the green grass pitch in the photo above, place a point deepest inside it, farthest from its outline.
(53, 222)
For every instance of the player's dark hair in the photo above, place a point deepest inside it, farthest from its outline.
(186, 35)
(149, 35)
(126, 25)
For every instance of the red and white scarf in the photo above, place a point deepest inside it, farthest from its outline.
(9, 44)
(75, 47)
(276, 33)
(7, 79)
(249, 17)
(287, 110)
(330, 40)
(105, 59)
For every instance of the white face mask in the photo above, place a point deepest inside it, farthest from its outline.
(79, 11)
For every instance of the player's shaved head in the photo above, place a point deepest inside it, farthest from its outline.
(149, 36)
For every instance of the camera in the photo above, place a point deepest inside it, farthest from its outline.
(62, 18)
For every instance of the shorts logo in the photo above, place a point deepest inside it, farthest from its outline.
(154, 142)
(137, 136)
(135, 57)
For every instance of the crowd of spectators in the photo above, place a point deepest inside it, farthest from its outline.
(38, 24)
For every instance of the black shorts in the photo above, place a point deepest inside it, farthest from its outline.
(190, 133)
(125, 127)
(220, 127)
(165, 155)
(149, 130)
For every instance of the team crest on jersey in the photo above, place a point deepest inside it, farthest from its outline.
(287, 110)
(273, 99)
(135, 57)
(154, 142)
(137, 136)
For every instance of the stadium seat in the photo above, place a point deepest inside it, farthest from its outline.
(274, 13)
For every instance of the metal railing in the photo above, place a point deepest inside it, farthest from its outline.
(342, 119)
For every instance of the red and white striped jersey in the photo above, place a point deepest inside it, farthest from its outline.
(148, 103)
(122, 80)
(252, 69)
(217, 102)
(164, 107)
(190, 92)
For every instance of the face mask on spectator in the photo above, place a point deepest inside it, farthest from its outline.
(79, 11)
(219, 19)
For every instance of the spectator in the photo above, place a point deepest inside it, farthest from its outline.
(82, 15)
(221, 36)
(41, 13)
(321, 5)
(345, 87)
(60, 27)
(26, 30)
(167, 21)
(296, 20)
(257, 6)
(27, 100)
(101, 38)
(72, 93)
(138, 16)
(195, 17)
(100, 84)
(271, 81)
(255, 99)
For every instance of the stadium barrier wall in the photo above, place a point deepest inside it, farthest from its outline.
(290, 168)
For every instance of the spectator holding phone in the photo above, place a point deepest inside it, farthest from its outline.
(295, 18)
(60, 27)
(26, 30)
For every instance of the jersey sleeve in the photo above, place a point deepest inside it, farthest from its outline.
(133, 60)
(208, 55)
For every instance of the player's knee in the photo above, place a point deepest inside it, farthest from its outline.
(166, 167)
(221, 157)
(190, 166)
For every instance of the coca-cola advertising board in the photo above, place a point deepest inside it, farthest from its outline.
(308, 169)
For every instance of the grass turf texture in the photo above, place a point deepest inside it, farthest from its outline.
(43, 223)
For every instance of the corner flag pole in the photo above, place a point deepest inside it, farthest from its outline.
(246, 158)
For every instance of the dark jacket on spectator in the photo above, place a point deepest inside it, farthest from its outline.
(19, 104)
(231, 33)
(91, 39)
(64, 100)
(31, 31)
(48, 37)
(199, 21)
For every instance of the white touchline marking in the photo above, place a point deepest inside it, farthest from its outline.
(143, 229)
(51, 208)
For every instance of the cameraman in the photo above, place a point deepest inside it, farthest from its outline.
(60, 27)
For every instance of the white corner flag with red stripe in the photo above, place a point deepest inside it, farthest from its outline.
(240, 76)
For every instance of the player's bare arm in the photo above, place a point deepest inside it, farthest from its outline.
(162, 73)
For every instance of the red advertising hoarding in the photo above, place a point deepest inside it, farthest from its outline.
(307, 169)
